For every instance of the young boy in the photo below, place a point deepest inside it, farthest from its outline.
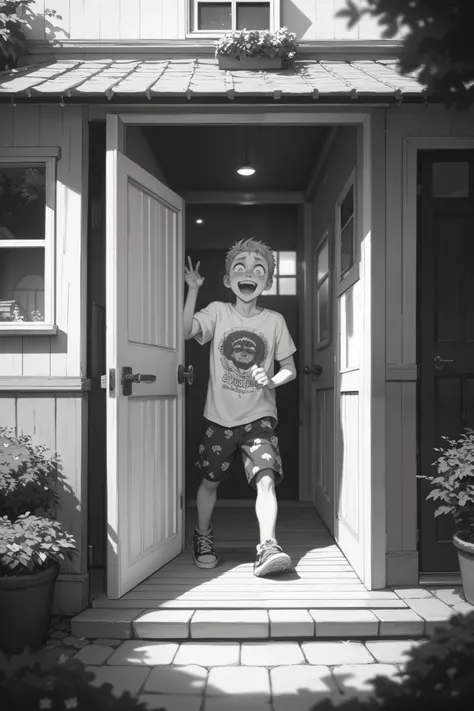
(240, 410)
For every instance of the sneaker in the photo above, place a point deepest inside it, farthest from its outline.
(270, 559)
(204, 555)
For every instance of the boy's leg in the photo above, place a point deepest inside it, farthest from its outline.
(266, 505)
(205, 502)
(215, 455)
(270, 557)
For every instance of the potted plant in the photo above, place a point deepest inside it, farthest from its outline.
(453, 487)
(256, 49)
(32, 542)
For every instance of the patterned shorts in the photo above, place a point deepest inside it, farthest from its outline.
(256, 441)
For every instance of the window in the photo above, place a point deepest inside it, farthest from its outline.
(284, 278)
(27, 221)
(216, 16)
(345, 220)
(323, 293)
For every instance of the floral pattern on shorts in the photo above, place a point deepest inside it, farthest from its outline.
(256, 442)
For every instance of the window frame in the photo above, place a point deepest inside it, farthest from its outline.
(47, 157)
(352, 275)
(192, 10)
(326, 342)
(277, 276)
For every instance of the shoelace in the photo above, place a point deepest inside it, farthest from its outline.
(205, 545)
(264, 546)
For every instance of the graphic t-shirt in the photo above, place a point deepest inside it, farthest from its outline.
(238, 343)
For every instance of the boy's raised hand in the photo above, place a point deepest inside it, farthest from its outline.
(191, 276)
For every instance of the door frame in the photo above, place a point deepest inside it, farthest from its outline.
(371, 174)
(410, 264)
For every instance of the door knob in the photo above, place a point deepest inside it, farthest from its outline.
(441, 362)
(315, 370)
(185, 374)
(129, 377)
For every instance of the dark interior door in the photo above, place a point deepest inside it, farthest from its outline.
(446, 329)
(236, 487)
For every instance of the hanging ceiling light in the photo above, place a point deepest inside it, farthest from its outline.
(246, 170)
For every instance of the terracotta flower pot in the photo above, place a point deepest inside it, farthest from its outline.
(466, 565)
(25, 609)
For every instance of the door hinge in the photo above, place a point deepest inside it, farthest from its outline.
(418, 189)
(90, 555)
(181, 500)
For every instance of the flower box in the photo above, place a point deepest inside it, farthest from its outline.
(243, 62)
(256, 49)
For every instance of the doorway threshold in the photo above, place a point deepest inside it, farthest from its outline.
(321, 598)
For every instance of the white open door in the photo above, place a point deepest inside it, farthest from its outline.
(145, 419)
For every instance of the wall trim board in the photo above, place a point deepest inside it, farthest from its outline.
(402, 568)
(32, 384)
(402, 372)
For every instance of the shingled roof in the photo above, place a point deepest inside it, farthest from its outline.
(136, 80)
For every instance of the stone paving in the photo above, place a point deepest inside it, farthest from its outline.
(221, 675)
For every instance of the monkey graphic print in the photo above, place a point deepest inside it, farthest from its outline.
(237, 344)
(240, 350)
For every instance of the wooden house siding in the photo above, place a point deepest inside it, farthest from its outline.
(42, 377)
(62, 355)
(169, 19)
(401, 327)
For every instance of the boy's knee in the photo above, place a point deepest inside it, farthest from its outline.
(265, 481)
(209, 486)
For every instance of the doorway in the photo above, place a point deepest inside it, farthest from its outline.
(182, 161)
(445, 329)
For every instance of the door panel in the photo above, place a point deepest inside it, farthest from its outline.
(322, 384)
(236, 487)
(446, 329)
(144, 332)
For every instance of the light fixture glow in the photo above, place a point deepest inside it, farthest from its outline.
(199, 221)
(246, 170)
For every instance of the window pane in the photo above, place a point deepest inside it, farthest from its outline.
(347, 207)
(22, 201)
(253, 16)
(323, 260)
(287, 263)
(22, 284)
(323, 312)
(272, 291)
(450, 180)
(287, 286)
(214, 16)
(347, 247)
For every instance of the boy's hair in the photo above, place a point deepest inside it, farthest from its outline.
(251, 245)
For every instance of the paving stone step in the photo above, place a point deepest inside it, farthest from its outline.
(241, 624)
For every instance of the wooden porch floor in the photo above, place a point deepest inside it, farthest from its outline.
(322, 577)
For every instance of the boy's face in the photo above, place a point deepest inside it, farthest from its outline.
(248, 276)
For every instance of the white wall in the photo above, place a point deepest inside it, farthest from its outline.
(168, 19)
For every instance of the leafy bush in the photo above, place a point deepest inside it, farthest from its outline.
(15, 16)
(438, 676)
(454, 484)
(31, 477)
(28, 683)
(32, 543)
(258, 43)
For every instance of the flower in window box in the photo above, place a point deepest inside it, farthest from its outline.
(267, 49)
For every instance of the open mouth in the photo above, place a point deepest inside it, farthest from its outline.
(247, 287)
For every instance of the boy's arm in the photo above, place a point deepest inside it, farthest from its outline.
(194, 280)
(191, 326)
(286, 374)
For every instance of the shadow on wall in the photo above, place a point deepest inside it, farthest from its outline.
(295, 19)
